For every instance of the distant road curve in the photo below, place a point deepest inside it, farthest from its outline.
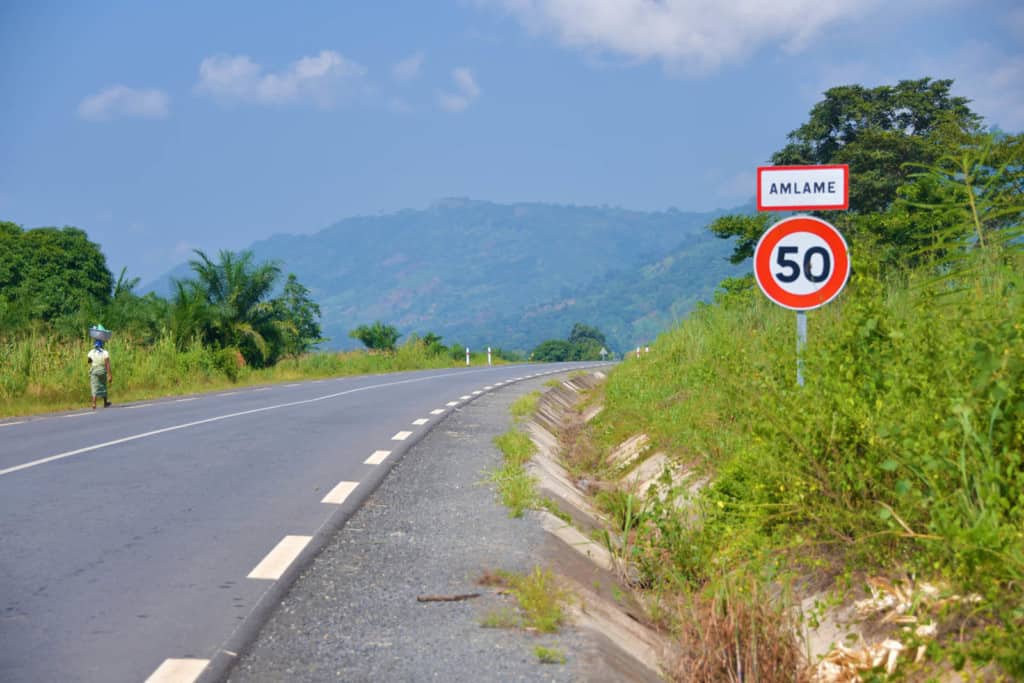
(146, 541)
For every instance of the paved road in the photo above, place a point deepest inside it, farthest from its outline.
(156, 537)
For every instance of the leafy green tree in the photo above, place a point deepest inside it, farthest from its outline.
(301, 317)
(583, 333)
(50, 273)
(433, 344)
(377, 336)
(239, 312)
(748, 229)
(876, 131)
(552, 351)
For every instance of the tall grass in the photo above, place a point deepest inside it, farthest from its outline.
(43, 372)
(903, 452)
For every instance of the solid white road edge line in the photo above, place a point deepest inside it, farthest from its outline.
(218, 418)
(401, 436)
(183, 400)
(280, 558)
(229, 393)
(141, 405)
(340, 492)
(11, 424)
(376, 458)
(178, 671)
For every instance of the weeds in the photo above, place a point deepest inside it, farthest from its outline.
(538, 595)
(549, 655)
(525, 405)
(516, 487)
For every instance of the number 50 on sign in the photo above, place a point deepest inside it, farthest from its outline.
(801, 263)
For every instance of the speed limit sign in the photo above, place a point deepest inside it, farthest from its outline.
(801, 263)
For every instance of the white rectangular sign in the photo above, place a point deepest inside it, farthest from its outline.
(803, 188)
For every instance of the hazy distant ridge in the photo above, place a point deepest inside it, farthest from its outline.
(505, 274)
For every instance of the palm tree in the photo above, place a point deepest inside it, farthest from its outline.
(238, 311)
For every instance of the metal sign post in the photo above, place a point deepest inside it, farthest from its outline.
(801, 342)
(801, 263)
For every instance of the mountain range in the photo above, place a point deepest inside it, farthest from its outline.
(505, 275)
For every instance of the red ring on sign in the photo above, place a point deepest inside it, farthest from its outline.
(781, 230)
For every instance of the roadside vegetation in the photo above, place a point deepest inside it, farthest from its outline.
(234, 322)
(584, 343)
(898, 470)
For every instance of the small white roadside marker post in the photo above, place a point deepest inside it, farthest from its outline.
(638, 352)
(489, 356)
(467, 355)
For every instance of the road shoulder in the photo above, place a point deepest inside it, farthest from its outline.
(432, 528)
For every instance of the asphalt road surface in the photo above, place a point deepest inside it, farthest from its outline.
(153, 539)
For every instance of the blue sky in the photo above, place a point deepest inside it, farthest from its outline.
(161, 127)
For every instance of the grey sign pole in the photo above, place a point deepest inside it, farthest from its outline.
(801, 342)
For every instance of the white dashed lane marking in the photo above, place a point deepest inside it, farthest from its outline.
(465, 398)
(421, 421)
(477, 392)
(488, 388)
(437, 411)
(280, 558)
(451, 404)
(377, 457)
(401, 436)
(178, 671)
(340, 492)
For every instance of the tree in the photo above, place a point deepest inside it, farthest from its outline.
(552, 351)
(238, 312)
(747, 228)
(876, 131)
(301, 316)
(377, 336)
(581, 333)
(50, 273)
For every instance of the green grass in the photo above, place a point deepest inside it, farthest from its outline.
(549, 655)
(505, 617)
(42, 373)
(904, 451)
(539, 597)
(516, 487)
(525, 405)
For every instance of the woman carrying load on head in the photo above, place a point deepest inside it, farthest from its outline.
(99, 372)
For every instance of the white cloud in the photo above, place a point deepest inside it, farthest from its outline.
(121, 101)
(322, 78)
(408, 68)
(695, 35)
(990, 78)
(468, 91)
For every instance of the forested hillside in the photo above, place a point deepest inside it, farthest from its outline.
(508, 275)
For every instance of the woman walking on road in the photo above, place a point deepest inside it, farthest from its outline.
(99, 373)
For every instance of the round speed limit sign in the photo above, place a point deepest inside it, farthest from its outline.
(801, 263)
